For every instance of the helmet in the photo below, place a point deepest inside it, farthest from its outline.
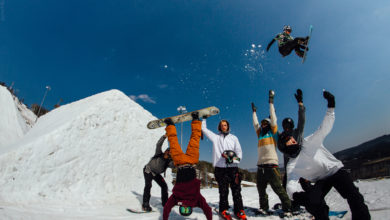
(287, 28)
(266, 120)
(288, 124)
(185, 210)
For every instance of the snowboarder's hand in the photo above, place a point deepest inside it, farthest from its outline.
(254, 107)
(306, 185)
(195, 116)
(271, 96)
(330, 98)
(205, 116)
(299, 96)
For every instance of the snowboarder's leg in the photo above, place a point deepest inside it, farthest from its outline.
(223, 187)
(164, 188)
(192, 153)
(261, 187)
(285, 50)
(176, 152)
(343, 183)
(276, 184)
(235, 186)
(148, 185)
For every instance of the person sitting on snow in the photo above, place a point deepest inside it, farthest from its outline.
(314, 163)
(186, 192)
(287, 43)
(157, 165)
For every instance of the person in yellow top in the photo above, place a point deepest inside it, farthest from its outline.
(267, 171)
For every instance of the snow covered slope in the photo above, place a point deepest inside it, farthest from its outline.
(88, 152)
(15, 118)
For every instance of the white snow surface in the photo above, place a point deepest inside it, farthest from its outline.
(84, 161)
(16, 119)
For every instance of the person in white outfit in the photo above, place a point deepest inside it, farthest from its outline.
(312, 174)
(226, 168)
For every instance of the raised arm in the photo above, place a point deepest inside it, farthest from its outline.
(301, 116)
(209, 134)
(272, 113)
(327, 123)
(159, 144)
(256, 124)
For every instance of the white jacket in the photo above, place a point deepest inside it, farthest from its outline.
(220, 144)
(314, 162)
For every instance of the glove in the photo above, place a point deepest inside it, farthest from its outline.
(331, 102)
(254, 107)
(271, 96)
(205, 116)
(299, 96)
(306, 185)
(168, 121)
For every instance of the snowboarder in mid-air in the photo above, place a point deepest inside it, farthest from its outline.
(287, 43)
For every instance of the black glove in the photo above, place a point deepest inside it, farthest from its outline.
(168, 121)
(205, 116)
(254, 107)
(271, 95)
(331, 102)
(299, 96)
(306, 185)
(195, 115)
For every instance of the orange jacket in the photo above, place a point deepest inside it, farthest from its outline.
(192, 154)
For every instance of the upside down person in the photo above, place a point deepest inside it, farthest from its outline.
(186, 192)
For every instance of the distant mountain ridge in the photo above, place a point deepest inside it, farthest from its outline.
(370, 150)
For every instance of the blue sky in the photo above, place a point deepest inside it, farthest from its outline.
(198, 54)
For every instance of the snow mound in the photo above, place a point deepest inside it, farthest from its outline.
(88, 152)
(15, 118)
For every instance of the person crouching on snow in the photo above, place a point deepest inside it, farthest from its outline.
(314, 163)
(186, 192)
(152, 171)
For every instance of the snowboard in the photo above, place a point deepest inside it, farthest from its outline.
(137, 211)
(307, 44)
(210, 111)
(338, 214)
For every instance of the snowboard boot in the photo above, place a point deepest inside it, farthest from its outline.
(226, 215)
(299, 53)
(168, 121)
(241, 215)
(195, 116)
(146, 208)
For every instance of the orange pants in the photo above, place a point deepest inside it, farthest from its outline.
(192, 154)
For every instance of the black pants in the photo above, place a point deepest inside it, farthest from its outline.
(225, 177)
(291, 45)
(314, 199)
(148, 185)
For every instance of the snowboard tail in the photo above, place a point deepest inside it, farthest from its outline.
(307, 44)
(210, 111)
(137, 211)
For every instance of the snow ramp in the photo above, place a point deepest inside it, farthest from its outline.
(88, 152)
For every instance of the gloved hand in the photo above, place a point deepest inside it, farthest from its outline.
(205, 116)
(299, 96)
(168, 121)
(271, 96)
(306, 185)
(331, 101)
(254, 107)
